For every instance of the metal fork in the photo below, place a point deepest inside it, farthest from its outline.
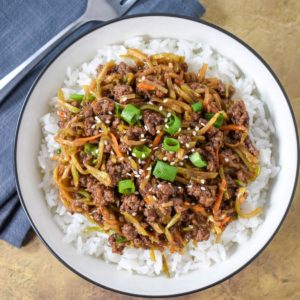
(96, 10)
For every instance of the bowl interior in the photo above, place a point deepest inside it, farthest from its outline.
(29, 139)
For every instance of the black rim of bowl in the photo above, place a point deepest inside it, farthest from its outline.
(155, 15)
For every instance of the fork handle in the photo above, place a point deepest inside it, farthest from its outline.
(10, 81)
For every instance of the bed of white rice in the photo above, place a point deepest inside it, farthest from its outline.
(206, 253)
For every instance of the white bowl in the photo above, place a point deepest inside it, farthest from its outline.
(28, 141)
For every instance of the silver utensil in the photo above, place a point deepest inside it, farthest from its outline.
(96, 10)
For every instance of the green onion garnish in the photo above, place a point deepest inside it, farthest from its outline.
(164, 171)
(171, 144)
(126, 186)
(131, 114)
(173, 124)
(76, 97)
(120, 239)
(118, 110)
(197, 107)
(197, 160)
(141, 152)
(91, 149)
(219, 120)
(58, 151)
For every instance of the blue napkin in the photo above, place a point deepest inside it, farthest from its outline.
(25, 26)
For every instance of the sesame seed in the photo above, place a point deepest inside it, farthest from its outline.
(142, 135)
(169, 115)
(150, 102)
(165, 158)
(121, 158)
(167, 126)
(202, 181)
(148, 169)
(155, 148)
(159, 186)
(143, 140)
(97, 119)
(181, 163)
(146, 127)
(226, 159)
(189, 185)
(187, 145)
(202, 124)
(137, 175)
(165, 100)
(133, 154)
(193, 150)
(143, 155)
(158, 131)
(110, 113)
(186, 157)
(196, 128)
(93, 126)
(107, 122)
(128, 174)
(143, 77)
(134, 213)
(160, 107)
(172, 163)
(105, 142)
(179, 129)
(194, 133)
(189, 128)
(141, 171)
(139, 161)
(166, 120)
(202, 188)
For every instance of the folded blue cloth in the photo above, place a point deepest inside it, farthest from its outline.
(25, 26)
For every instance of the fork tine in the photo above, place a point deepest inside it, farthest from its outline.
(121, 6)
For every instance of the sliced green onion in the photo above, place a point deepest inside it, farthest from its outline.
(171, 144)
(219, 120)
(131, 114)
(126, 187)
(76, 97)
(173, 124)
(90, 97)
(141, 152)
(164, 171)
(58, 151)
(118, 110)
(197, 107)
(197, 160)
(120, 239)
(91, 149)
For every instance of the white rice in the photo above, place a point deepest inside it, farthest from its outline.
(206, 253)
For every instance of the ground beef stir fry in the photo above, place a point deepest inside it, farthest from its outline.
(155, 155)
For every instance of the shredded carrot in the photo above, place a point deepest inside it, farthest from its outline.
(157, 139)
(234, 127)
(116, 145)
(225, 221)
(145, 86)
(222, 189)
(202, 72)
(198, 208)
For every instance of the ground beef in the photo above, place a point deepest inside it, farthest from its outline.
(196, 86)
(151, 120)
(163, 190)
(135, 132)
(195, 118)
(88, 126)
(238, 113)
(129, 231)
(215, 137)
(121, 90)
(178, 205)
(242, 175)
(221, 89)
(117, 171)
(87, 111)
(116, 247)
(205, 195)
(103, 106)
(202, 234)
(230, 158)
(141, 242)
(123, 69)
(252, 149)
(184, 139)
(131, 204)
(101, 195)
(208, 153)
(150, 214)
